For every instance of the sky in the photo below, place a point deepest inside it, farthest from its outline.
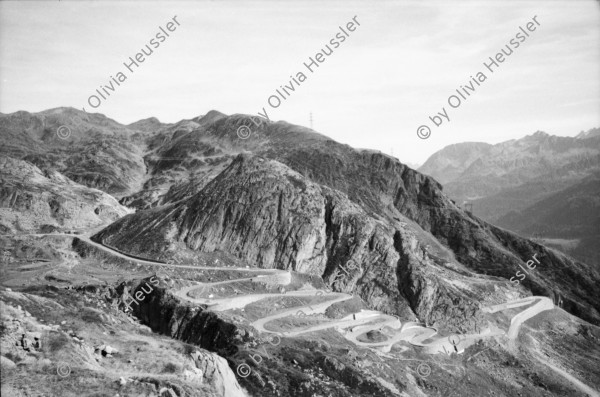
(395, 70)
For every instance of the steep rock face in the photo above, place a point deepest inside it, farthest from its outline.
(164, 313)
(432, 294)
(265, 212)
(216, 372)
(381, 185)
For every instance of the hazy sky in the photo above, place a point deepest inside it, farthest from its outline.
(396, 69)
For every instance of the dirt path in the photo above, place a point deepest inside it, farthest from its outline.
(115, 252)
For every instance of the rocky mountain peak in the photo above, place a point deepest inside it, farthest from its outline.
(147, 125)
(594, 132)
(210, 117)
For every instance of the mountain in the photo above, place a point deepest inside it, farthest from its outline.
(478, 172)
(94, 150)
(450, 163)
(503, 181)
(594, 132)
(147, 125)
(344, 266)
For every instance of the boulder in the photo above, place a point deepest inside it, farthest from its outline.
(214, 370)
(105, 350)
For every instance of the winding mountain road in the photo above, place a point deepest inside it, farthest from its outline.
(360, 323)
(542, 303)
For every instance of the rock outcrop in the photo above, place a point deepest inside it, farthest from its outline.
(215, 371)
(165, 314)
(36, 201)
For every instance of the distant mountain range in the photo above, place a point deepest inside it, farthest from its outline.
(541, 185)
